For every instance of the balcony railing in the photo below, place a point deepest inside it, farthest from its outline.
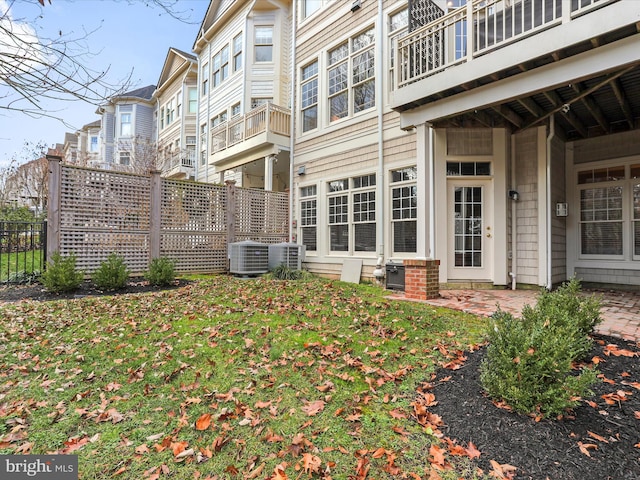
(477, 28)
(179, 162)
(267, 118)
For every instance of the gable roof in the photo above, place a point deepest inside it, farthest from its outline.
(144, 93)
(175, 57)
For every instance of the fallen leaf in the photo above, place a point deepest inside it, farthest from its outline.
(313, 408)
(437, 455)
(472, 451)
(311, 463)
(585, 447)
(597, 437)
(203, 422)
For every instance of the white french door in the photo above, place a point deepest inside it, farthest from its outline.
(470, 229)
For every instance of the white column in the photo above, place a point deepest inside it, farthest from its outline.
(424, 185)
(268, 172)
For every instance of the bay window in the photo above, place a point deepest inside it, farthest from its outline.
(264, 44)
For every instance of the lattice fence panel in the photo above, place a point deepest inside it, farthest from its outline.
(103, 212)
(193, 226)
(262, 216)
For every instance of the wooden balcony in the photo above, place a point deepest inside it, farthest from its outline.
(179, 165)
(517, 62)
(263, 128)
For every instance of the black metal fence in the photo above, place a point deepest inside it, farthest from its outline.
(23, 251)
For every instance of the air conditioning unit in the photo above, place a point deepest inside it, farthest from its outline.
(248, 258)
(289, 254)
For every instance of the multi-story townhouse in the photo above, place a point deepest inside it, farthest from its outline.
(127, 132)
(176, 99)
(525, 114)
(89, 144)
(355, 169)
(69, 148)
(244, 93)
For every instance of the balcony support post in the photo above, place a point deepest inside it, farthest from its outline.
(268, 172)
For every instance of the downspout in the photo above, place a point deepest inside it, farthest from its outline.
(206, 129)
(292, 121)
(198, 136)
(550, 138)
(514, 219)
(380, 220)
(182, 117)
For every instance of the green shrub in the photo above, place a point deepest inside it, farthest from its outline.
(61, 274)
(284, 272)
(112, 274)
(529, 362)
(162, 271)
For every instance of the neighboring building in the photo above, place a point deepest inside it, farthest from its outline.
(355, 171)
(89, 145)
(127, 136)
(244, 57)
(528, 149)
(176, 100)
(69, 148)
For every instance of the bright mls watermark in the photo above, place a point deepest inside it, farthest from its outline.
(39, 467)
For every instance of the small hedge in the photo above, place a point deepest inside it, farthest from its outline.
(112, 274)
(162, 271)
(61, 274)
(529, 363)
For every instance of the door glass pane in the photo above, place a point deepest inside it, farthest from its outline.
(468, 226)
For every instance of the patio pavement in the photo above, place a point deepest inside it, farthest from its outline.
(620, 310)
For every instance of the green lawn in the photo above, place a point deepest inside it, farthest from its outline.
(230, 378)
(19, 262)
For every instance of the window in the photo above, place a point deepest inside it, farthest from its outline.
(218, 119)
(309, 217)
(339, 216)
(309, 91)
(203, 144)
(94, 143)
(364, 213)
(237, 53)
(256, 102)
(193, 100)
(398, 23)
(310, 6)
(609, 222)
(125, 158)
(404, 203)
(264, 44)
(190, 141)
(235, 109)
(352, 227)
(351, 76)
(162, 118)
(205, 79)
(464, 169)
(125, 124)
(220, 66)
(178, 104)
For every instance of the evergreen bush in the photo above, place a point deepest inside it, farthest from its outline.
(112, 274)
(284, 272)
(162, 271)
(530, 361)
(61, 274)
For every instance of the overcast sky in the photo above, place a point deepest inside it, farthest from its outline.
(131, 35)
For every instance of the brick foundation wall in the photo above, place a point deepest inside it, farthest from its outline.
(422, 279)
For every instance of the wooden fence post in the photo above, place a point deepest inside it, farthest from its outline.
(53, 205)
(230, 212)
(154, 210)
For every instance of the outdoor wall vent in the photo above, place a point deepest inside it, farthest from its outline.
(355, 5)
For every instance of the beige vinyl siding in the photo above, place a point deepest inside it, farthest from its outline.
(606, 147)
(526, 162)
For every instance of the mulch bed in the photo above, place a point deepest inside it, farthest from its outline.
(599, 440)
(36, 291)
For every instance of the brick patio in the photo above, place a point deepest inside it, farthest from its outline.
(620, 310)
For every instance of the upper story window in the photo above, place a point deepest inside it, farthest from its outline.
(309, 7)
(235, 109)
(220, 66)
(125, 158)
(205, 79)
(264, 43)
(351, 76)
(237, 53)
(309, 91)
(398, 23)
(125, 124)
(257, 101)
(218, 119)
(193, 100)
(94, 143)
